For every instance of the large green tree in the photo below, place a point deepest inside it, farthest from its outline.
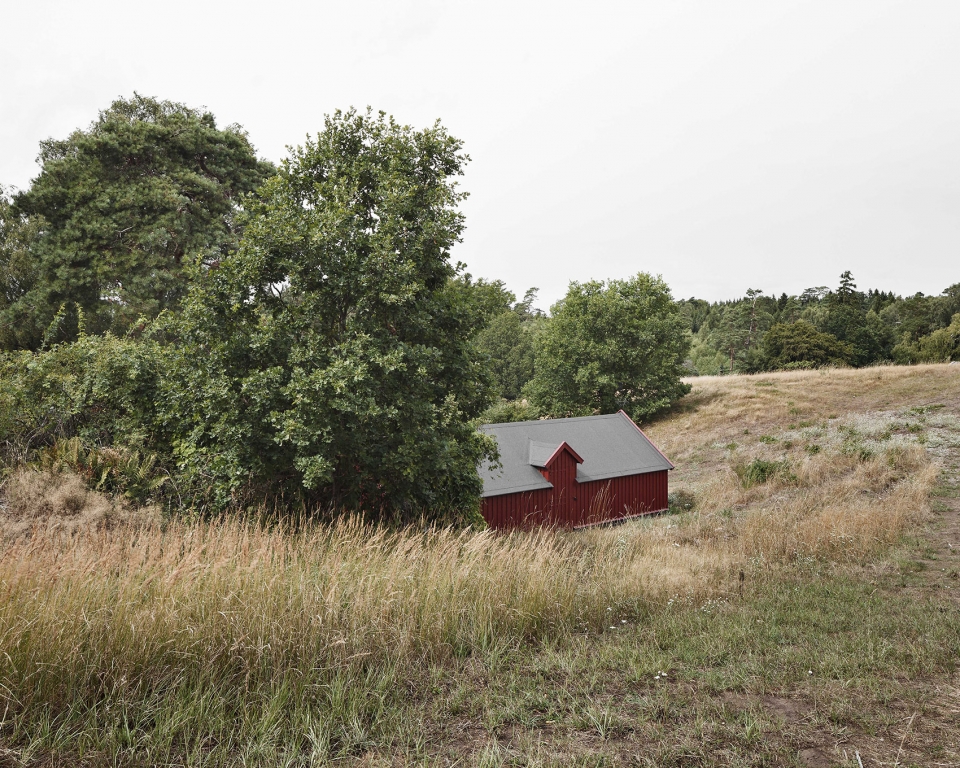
(800, 345)
(331, 358)
(122, 207)
(18, 268)
(611, 345)
(508, 342)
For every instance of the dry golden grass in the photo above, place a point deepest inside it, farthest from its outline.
(41, 501)
(720, 408)
(141, 613)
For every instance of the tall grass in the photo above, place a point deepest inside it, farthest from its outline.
(225, 634)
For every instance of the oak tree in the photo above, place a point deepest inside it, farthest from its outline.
(330, 359)
(611, 345)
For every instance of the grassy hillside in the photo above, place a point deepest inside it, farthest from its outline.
(804, 611)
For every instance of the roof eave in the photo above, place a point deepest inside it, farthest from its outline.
(516, 489)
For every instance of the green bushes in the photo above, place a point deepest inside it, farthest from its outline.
(505, 411)
(759, 471)
(92, 408)
(118, 471)
(329, 362)
(940, 346)
(103, 390)
(799, 345)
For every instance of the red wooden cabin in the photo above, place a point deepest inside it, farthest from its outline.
(572, 473)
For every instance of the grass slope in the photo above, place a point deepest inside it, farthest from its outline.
(805, 612)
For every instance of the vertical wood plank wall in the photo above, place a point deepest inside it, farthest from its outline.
(571, 504)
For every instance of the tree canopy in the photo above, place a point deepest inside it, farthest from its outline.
(120, 209)
(609, 346)
(507, 340)
(331, 357)
(18, 269)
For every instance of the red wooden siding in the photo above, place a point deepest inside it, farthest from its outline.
(570, 504)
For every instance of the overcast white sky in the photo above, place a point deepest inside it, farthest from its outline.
(725, 145)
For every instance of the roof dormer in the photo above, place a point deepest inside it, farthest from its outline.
(542, 455)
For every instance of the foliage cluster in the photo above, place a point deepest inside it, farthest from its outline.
(337, 361)
(116, 471)
(611, 346)
(821, 327)
(311, 344)
(606, 346)
(179, 317)
(103, 390)
(117, 214)
(508, 339)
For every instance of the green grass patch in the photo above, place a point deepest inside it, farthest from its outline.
(709, 684)
(760, 471)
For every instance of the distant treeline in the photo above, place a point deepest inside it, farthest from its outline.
(820, 327)
(844, 326)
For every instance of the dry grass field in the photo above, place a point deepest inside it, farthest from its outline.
(803, 611)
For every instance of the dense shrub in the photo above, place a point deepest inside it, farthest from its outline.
(509, 410)
(102, 390)
(117, 471)
(330, 360)
(799, 345)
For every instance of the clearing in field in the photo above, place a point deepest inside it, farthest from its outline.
(798, 606)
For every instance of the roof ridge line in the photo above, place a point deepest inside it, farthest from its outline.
(552, 421)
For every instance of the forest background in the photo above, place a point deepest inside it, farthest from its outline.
(183, 322)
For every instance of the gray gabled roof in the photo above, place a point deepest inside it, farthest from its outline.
(611, 446)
